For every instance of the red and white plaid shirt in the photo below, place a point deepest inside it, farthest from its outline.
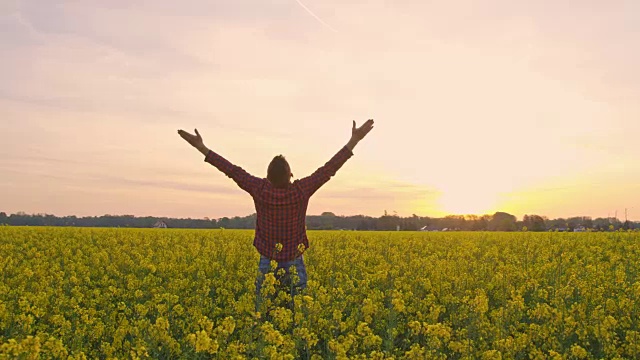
(281, 213)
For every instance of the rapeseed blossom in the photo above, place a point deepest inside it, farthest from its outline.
(183, 294)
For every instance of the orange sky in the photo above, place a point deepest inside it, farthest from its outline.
(519, 106)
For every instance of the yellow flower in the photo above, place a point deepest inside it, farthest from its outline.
(178, 309)
(415, 326)
(398, 305)
(491, 355)
(578, 351)
(271, 335)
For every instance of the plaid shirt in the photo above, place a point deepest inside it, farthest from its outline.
(281, 213)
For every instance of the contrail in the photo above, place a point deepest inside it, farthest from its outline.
(316, 16)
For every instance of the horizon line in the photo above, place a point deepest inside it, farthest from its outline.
(22, 213)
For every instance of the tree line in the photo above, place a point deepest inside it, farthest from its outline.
(500, 221)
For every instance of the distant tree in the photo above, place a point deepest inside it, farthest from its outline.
(224, 222)
(361, 222)
(600, 224)
(452, 222)
(411, 224)
(387, 222)
(502, 221)
(556, 223)
(327, 221)
(534, 223)
(474, 223)
(484, 221)
(574, 222)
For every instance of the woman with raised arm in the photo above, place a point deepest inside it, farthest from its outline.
(281, 205)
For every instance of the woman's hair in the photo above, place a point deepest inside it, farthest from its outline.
(279, 172)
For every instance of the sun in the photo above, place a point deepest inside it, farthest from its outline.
(467, 202)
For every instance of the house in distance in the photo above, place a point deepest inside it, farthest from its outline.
(160, 225)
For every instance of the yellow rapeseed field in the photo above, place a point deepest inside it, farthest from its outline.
(190, 294)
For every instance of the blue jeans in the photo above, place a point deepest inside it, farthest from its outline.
(301, 271)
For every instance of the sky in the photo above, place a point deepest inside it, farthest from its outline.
(528, 107)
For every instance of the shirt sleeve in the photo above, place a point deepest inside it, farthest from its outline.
(313, 182)
(245, 181)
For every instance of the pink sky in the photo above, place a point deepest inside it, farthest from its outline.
(519, 106)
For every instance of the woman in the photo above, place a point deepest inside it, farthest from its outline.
(281, 205)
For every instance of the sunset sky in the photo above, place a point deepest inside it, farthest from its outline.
(528, 107)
